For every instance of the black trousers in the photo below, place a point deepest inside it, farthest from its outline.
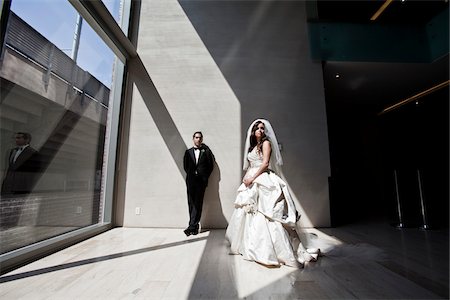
(195, 191)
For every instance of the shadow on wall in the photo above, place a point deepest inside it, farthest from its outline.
(212, 208)
(158, 111)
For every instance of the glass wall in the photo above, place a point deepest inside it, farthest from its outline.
(115, 7)
(57, 80)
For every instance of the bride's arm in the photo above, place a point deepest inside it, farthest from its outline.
(264, 166)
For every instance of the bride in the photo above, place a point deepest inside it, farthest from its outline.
(263, 225)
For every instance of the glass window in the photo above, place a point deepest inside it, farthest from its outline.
(56, 83)
(115, 8)
(62, 26)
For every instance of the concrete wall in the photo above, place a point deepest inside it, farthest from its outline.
(216, 66)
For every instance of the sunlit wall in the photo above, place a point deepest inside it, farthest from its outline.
(216, 66)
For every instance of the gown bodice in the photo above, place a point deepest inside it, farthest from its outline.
(255, 158)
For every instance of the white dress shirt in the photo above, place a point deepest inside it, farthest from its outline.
(197, 154)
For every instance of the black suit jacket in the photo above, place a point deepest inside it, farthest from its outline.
(203, 168)
(21, 174)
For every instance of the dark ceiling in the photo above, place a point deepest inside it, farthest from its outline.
(380, 84)
(405, 12)
(374, 86)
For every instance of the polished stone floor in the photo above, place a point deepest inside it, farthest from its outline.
(20, 236)
(364, 261)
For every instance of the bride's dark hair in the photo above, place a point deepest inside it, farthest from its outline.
(254, 141)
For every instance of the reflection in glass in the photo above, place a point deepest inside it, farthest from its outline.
(59, 110)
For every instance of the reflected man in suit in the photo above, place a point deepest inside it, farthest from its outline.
(22, 166)
(198, 163)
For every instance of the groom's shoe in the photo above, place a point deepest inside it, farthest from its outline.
(187, 232)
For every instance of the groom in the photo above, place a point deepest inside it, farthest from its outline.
(198, 163)
(22, 166)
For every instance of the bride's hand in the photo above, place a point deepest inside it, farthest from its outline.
(248, 181)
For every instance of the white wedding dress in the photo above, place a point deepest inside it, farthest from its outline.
(262, 227)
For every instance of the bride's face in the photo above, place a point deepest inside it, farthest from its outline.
(259, 133)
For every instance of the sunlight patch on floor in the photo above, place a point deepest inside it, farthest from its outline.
(251, 277)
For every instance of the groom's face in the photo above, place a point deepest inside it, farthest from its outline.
(198, 140)
(20, 140)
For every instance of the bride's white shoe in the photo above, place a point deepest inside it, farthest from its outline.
(314, 252)
(307, 255)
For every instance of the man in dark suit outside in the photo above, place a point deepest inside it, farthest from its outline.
(198, 163)
(22, 166)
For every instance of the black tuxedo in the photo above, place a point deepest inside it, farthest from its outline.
(197, 175)
(21, 174)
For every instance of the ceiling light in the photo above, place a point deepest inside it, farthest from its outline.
(415, 97)
(380, 10)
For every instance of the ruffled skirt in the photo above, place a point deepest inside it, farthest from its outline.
(262, 227)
